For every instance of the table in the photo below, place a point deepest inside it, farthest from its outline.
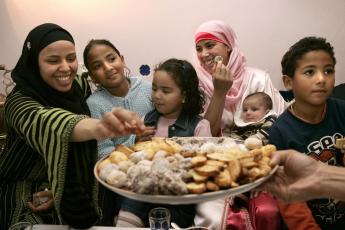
(65, 227)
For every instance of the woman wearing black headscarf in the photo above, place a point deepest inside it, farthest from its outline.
(51, 141)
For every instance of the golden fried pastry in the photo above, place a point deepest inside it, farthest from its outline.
(196, 176)
(150, 153)
(198, 161)
(216, 163)
(103, 163)
(256, 154)
(196, 188)
(124, 149)
(210, 185)
(116, 157)
(223, 179)
(248, 162)
(177, 147)
(188, 153)
(267, 150)
(142, 145)
(220, 157)
(207, 170)
(165, 147)
(235, 169)
(255, 173)
(234, 153)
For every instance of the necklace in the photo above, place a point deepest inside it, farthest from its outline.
(291, 108)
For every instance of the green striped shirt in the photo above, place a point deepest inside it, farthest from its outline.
(37, 155)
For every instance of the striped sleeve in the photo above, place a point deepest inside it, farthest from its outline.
(68, 165)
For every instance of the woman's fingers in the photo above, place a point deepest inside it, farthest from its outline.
(44, 201)
(42, 207)
(147, 134)
(122, 122)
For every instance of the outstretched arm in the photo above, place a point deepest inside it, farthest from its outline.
(118, 122)
(302, 178)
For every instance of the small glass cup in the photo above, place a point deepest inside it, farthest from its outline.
(21, 226)
(159, 219)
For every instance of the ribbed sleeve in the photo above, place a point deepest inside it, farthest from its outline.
(38, 154)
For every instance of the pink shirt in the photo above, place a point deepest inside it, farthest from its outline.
(201, 130)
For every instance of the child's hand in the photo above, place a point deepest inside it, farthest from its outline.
(222, 78)
(43, 201)
(146, 135)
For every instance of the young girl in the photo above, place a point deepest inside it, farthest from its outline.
(178, 103)
(106, 67)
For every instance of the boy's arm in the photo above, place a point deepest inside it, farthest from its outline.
(298, 216)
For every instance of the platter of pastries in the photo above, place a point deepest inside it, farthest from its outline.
(184, 170)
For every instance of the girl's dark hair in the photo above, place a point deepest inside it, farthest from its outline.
(303, 46)
(186, 78)
(97, 42)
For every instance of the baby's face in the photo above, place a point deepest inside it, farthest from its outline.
(253, 110)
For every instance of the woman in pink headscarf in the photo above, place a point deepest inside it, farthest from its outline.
(228, 81)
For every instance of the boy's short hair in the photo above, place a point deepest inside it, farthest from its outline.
(265, 98)
(303, 46)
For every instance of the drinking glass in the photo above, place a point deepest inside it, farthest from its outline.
(159, 219)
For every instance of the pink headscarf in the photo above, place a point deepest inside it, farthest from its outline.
(236, 64)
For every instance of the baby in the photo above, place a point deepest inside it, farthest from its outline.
(257, 118)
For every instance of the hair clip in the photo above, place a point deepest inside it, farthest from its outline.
(28, 45)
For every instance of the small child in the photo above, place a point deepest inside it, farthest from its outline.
(257, 116)
(311, 125)
(178, 102)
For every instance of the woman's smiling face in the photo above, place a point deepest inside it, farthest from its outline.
(207, 50)
(58, 65)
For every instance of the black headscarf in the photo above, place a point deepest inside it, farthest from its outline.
(27, 76)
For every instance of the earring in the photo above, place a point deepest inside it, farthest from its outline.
(127, 72)
(183, 101)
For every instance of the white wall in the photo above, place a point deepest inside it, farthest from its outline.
(149, 31)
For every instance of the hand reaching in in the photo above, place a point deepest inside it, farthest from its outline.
(119, 122)
(295, 179)
(146, 135)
